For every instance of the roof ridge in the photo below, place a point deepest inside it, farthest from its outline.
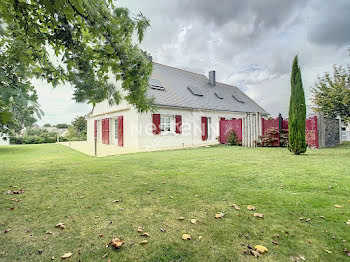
(179, 69)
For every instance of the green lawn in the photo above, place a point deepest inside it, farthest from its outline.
(62, 185)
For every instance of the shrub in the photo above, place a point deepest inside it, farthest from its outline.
(232, 138)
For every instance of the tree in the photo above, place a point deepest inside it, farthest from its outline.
(80, 124)
(78, 129)
(331, 93)
(92, 43)
(297, 112)
(62, 125)
(47, 125)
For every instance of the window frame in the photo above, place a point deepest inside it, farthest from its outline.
(169, 125)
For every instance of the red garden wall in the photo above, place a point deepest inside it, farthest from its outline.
(227, 125)
(311, 132)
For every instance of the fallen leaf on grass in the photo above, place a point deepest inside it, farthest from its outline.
(251, 208)
(139, 229)
(200, 238)
(347, 252)
(193, 221)
(15, 192)
(7, 230)
(348, 222)
(48, 232)
(143, 242)
(235, 206)
(328, 251)
(186, 237)
(117, 201)
(180, 218)
(66, 255)
(163, 230)
(100, 235)
(61, 225)
(259, 215)
(338, 206)
(261, 249)
(145, 235)
(220, 215)
(275, 242)
(116, 242)
(254, 253)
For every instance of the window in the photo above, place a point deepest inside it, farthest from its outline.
(166, 123)
(195, 90)
(116, 129)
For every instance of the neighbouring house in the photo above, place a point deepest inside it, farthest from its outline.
(59, 131)
(346, 132)
(4, 140)
(189, 109)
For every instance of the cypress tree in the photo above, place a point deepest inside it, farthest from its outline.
(297, 112)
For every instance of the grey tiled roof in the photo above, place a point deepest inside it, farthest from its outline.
(177, 94)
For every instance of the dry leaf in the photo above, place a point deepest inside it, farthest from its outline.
(143, 242)
(254, 253)
(66, 255)
(181, 218)
(139, 229)
(193, 221)
(259, 215)
(348, 222)
(261, 249)
(186, 237)
(200, 238)
(251, 208)
(145, 235)
(116, 242)
(7, 230)
(61, 225)
(235, 206)
(220, 215)
(338, 206)
(48, 232)
(100, 235)
(328, 251)
(275, 242)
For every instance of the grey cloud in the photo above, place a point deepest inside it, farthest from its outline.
(331, 23)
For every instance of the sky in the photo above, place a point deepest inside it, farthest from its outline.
(250, 44)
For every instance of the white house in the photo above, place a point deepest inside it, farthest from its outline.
(189, 108)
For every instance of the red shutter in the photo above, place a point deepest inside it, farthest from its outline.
(156, 123)
(120, 131)
(204, 128)
(105, 131)
(222, 118)
(178, 124)
(95, 128)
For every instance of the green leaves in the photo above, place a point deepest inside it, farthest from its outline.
(297, 112)
(89, 40)
(331, 93)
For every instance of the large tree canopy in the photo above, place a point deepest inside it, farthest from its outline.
(331, 93)
(93, 40)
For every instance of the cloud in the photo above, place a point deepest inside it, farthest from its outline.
(250, 44)
(331, 22)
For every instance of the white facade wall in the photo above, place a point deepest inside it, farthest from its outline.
(191, 128)
(138, 128)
